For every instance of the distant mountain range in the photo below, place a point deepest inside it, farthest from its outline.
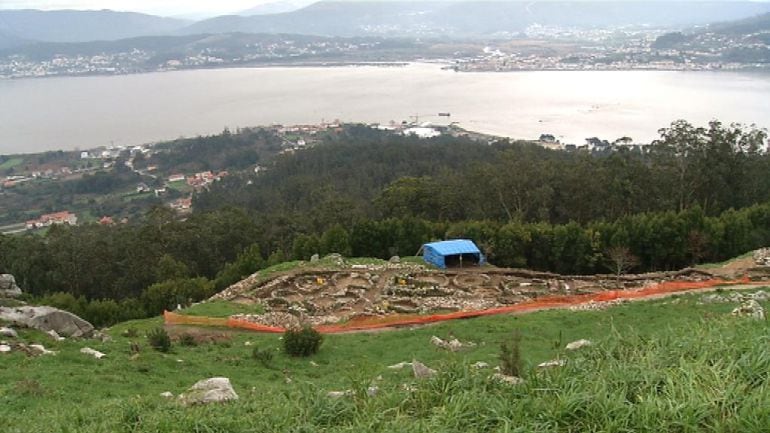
(20, 26)
(477, 18)
(277, 7)
(454, 19)
(756, 24)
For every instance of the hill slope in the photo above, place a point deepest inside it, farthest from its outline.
(475, 18)
(81, 26)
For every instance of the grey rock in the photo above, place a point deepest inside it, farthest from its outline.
(213, 390)
(510, 380)
(40, 350)
(48, 319)
(395, 259)
(4, 348)
(751, 309)
(421, 371)
(166, 394)
(8, 287)
(552, 363)
(314, 258)
(95, 353)
(8, 332)
(579, 344)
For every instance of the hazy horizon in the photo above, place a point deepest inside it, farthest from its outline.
(186, 8)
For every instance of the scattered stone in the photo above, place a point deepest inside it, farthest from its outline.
(421, 371)
(47, 319)
(510, 380)
(95, 353)
(213, 390)
(395, 259)
(372, 391)
(579, 344)
(55, 335)
(751, 309)
(102, 336)
(247, 343)
(40, 350)
(8, 287)
(713, 299)
(400, 365)
(340, 394)
(278, 319)
(166, 394)
(4, 348)
(553, 363)
(452, 345)
(314, 258)
(480, 365)
(313, 363)
(8, 332)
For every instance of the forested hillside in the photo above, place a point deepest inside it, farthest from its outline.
(697, 194)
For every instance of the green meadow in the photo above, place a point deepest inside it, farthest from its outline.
(668, 365)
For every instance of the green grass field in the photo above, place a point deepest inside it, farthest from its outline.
(669, 365)
(11, 163)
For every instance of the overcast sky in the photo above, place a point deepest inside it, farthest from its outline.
(157, 7)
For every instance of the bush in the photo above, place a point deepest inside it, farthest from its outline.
(187, 340)
(302, 342)
(159, 340)
(510, 355)
(131, 333)
(265, 357)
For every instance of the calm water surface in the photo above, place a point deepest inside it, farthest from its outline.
(68, 112)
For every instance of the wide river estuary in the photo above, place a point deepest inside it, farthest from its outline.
(86, 112)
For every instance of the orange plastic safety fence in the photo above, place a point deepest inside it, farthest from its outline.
(554, 301)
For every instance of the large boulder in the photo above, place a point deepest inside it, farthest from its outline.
(48, 319)
(8, 287)
(214, 390)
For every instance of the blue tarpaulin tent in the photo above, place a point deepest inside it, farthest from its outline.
(456, 252)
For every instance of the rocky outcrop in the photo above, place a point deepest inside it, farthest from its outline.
(213, 390)
(8, 287)
(750, 309)
(48, 319)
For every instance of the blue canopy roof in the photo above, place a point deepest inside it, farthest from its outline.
(454, 247)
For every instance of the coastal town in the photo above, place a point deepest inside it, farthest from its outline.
(537, 48)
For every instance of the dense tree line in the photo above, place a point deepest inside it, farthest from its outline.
(698, 194)
(369, 174)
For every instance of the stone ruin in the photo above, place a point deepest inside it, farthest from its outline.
(762, 257)
(327, 296)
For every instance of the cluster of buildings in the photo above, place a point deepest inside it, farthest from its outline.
(139, 60)
(47, 220)
(18, 66)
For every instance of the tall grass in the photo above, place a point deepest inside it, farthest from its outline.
(708, 374)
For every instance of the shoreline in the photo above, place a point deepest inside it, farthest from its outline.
(445, 65)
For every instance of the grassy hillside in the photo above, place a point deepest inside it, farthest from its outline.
(667, 365)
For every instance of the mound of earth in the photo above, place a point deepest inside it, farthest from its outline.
(319, 296)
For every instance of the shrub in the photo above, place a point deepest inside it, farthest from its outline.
(187, 340)
(265, 357)
(159, 340)
(131, 333)
(302, 342)
(510, 355)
